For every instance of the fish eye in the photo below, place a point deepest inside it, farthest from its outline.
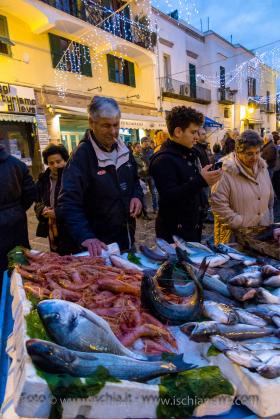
(56, 316)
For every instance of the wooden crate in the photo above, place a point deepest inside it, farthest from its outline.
(247, 238)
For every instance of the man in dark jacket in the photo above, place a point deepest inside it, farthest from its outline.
(100, 194)
(202, 148)
(17, 193)
(179, 178)
(269, 153)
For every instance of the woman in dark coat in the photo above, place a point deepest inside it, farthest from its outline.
(48, 187)
(17, 193)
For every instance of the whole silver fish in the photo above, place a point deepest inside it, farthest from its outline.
(265, 297)
(266, 356)
(261, 346)
(166, 247)
(80, 329)
(224, 344)
(123, 263)
(269, 270)
(235, 254)
(248, 279)
(272, 281)
(198, 252)
(53, 358)
(244, 358)
(219, 312)
(271, 369)
(248, 318)
(219, 298)
(201, 332)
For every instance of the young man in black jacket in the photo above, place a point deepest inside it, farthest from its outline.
(100, 193)
(179, 178)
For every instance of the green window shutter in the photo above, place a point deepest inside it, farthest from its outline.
(131, 74)
(56, 52)
(111, 67)
(85, 61)
(4, 47)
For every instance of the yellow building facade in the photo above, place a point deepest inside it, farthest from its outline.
(55, 55)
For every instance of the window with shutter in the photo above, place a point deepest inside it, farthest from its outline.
(5, 48)
(77, 58)
(131, 74)
(111, 68)
(120, 71)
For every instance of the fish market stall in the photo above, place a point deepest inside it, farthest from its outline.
(118, 324)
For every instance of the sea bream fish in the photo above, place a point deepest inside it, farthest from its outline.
(78, 328)
(197, 252)
(53, 358)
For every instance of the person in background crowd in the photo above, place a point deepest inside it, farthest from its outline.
(160, 138)
(276, 234)
(48, 187)
(17, 193)
(100, 192)
(269, 153)
(229, 143)
(202, 147)
(143, 174)
(147, 153)
(152, 144)
(276, 137)
(179, 178)
(217, 152)
(243, 197)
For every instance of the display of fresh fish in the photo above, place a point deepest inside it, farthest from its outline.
(80, 329)
(154, 300)
(219, 312)
(269, 270)
(265, 297)
(191, 247)
(271, 369)
(261, 346)
(235, 254)
(270, 315)
(247, 279)
(201, 332)
(121, 262)
(266, 356)
(272, 281)
(53, 358)
(248, 318)
(244, 358)
(224, 344)
(219, 298)
(164, 275)
(242, 293)
(152, 254)
(276, 292)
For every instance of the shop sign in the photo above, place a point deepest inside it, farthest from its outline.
(17, 99)
(42, 131)
(134, 124)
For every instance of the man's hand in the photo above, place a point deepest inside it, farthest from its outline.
(135, 207)
(211, 177)
(276, 234)
(48, 212)
(94, 246)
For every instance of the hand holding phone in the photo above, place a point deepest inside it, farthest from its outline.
(216, 166)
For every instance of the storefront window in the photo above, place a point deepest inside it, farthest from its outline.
(21, 141)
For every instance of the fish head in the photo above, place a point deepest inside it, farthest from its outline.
(48, 355)
(59, 317)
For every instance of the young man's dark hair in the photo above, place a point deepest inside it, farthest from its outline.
(52, 149)
(182, 117)
(217, 148)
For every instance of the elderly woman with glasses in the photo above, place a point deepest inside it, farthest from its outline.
(243, 197)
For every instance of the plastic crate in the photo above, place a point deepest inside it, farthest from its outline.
(6, 326)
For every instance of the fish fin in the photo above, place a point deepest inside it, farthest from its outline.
(182, 255)
(210, 244)
(180, 364)
(202, 269)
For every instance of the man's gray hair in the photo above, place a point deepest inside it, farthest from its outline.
(103, 107)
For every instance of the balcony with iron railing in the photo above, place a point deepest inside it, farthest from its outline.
(226, 96)
(268, 107)
(181, 90)
(119, 24)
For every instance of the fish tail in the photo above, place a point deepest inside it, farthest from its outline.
(179, 363)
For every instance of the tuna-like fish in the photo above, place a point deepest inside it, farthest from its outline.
(242, 293)
(80, 329)
(248, 279)
(201, 332)
(235, 254)
(53, 358)
(219, 312)
(164, 275)
(152, 254)
(173, 314)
